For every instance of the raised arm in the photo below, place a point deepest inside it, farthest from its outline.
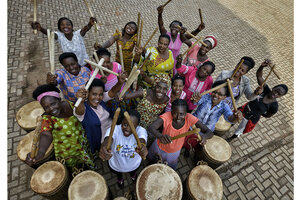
(81, 93)
(116, 88)
(162, 29)
(183, 37)
(259, 72)
(134, 95)
(196, 31)
(37, 26)
(87, 27)
(153, 129)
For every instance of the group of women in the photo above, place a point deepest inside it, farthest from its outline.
(166, 102)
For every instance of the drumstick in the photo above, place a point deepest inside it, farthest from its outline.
(133, 70)
(276, 74)
(150, 38)
(91, 13)
(198, 135)
(133, 130)
(201, 19)
(146, 60)
(232, 97)
(121, 57)
(236, 69)
(166, 3)
(186, 134)
(198, 40)
(101, 67)
(36, 137)
(138, 25)
(113, 124)
(90, 81)
(140, 34)
(52, 62)
(268, 75)
(97, 60)
(34, 15)
(192, 35)
(214, 89)
(129, 82)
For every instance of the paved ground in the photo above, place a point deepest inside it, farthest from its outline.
(261, 166)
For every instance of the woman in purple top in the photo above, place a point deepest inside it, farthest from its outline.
(176, 39)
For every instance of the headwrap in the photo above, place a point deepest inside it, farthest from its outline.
(161, 77)
(212, 40)
(51, 94)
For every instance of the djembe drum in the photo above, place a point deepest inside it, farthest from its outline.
(27, 114)
(24, 147)
(158, 181)
(203, 183)
(222, 126)
(88, 185)
(51, 180)
(215, 152)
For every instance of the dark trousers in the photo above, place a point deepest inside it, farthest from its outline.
(120, 174)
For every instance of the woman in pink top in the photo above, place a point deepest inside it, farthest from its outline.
(196, 80)
(198, 54)
(110, 80)
(176, 91)
(174, 123)
(176, 39)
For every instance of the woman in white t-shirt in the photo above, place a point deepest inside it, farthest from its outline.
(124, 156)
(70, 40)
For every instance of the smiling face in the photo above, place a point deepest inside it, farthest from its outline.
(218, 95)
(95, 96)
(177, 87)
(71, 65)
(130, 29)
(66, 27)
(242, 71)
(203, 49)
(125, 126)
(51, 105)
(178, 114)
(160, 90)
(277, 92)
(204, 71)
(174, 29)
(163, 44)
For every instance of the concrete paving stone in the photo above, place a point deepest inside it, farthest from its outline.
(275, 197)
(259, 193)
(251, 195)
(250, 177)
(233, 188)
(258, 184)
(26, 194)
(17, 189)
(233, 196)
(14, 173)
(276, 191)
(14, 197)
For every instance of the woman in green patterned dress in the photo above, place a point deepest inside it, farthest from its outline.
(61, 127)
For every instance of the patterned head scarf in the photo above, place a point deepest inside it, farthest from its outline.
(212, 39)
(161, 77)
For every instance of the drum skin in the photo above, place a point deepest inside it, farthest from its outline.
(27, 114)
(215, 152)
(88, 185)
(222, 126)
(203, 183)
(50, 179)
(24, 147)
(158, 181)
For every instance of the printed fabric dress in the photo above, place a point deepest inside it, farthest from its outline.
(127, 50)
(69, 140)
(149, 111)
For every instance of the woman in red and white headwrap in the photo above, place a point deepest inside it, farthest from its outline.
(197, 55)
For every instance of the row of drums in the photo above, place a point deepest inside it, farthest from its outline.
(158, 181)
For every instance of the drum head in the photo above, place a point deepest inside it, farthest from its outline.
(222, 124)
(26, 116)
(88, 185)
(120, 198)
(218, 149)
(158, 181)
(24, 147)
(48, 177)
(204, 183)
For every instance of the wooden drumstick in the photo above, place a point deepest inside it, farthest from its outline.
(232, 97)
(198, 40)
(276, 74)
(113, 124)
(200, 14)
(121, 57)
(198, 134)
(192, 36)
(133, 130)
(186, 134)
(166, 3)
(140, 34)
(150, 38)
(36, 137)
(90, 81)
(129, 82)
(97, 60)
(133, 70)
(34, 15)
(51, 46)
(101, 67)
(138, 24)
(91, 13)
(272, 69)
(237, 69)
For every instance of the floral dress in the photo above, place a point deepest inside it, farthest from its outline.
(69, 140)
(149, 111)
(127, 50)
